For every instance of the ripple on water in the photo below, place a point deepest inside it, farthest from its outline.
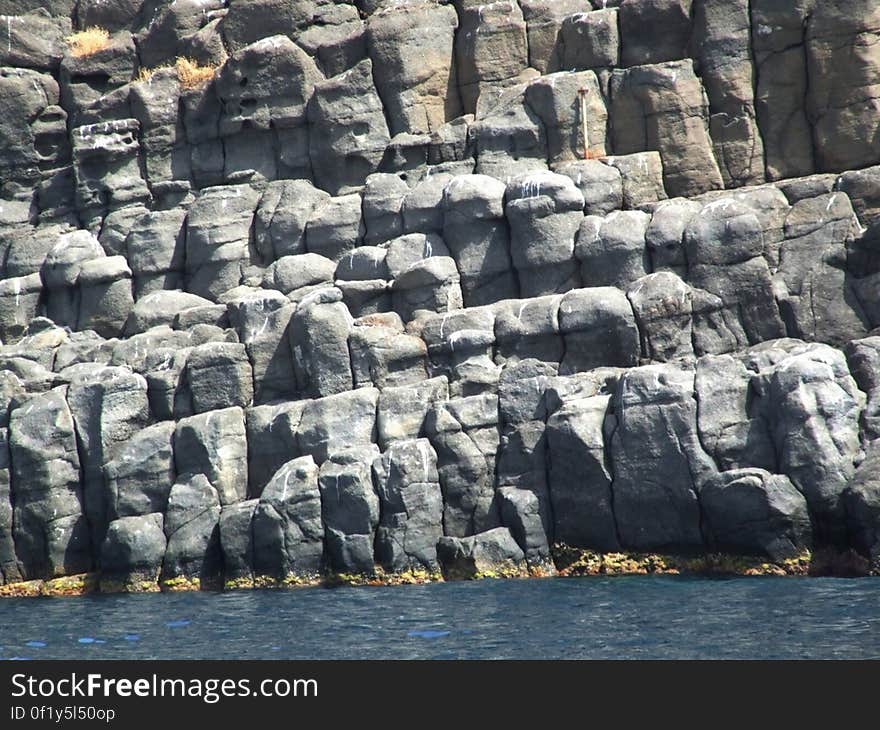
(428, 634)
(601, 618)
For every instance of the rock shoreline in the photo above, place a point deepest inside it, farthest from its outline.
(326, 288)
(569, 563)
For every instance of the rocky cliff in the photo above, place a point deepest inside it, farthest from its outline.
(292, 287)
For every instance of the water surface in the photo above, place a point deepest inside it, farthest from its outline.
(582, 618)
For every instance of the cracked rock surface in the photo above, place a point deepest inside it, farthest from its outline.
(433, 285)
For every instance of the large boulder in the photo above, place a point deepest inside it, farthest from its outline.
(51, 534)
(755, 513)
(489, 554)
(411, 507)
(288, 533)
(140, 477)
(659, 462)
(545, 211)
(413, 45)
(662, 106)
(109, 406)
(215, 444)
(348, 132)
(350, 508)
(191, 528)
(579, 476)
(133, 550)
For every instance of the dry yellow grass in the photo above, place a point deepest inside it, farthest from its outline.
(88, 42)
(145, 74)
(189, 73)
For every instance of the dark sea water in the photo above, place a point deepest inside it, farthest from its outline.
(607, 618)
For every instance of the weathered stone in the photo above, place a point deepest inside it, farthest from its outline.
(161, 308)
(133, 549)
(320, 329)
(219, 375)
(476, 234)
(579, 478)
(491, 50)
(218, 233)
(412, 506)
(612, 250)
(191, 528)
(413, 44)
(288, 534)
(600, 184)
(663, 107)
(281, 218)
(237, 539)
(521, 515)
(659, 463)
(724, 246)
(109, 406)
(590, 40)
(336, 227)
(545, 212)
(385, 356)
(51, 535)
(140, 477)
(271, 440)
(752, 512)
(215, 444)
(490, 553)
(348, 131)
(816, 297)
(338, 421)
(350, 508)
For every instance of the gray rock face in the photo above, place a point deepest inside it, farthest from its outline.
(520, 513)
(579, 479)
(288, 533)
(237, 539)
(217, 239)
(319, 336)
(464, 435)
(750, 511)
(133, 549)
(364, 281)
(491, 51)
(612, 250)
(51, 535)
(109, 406)
(492, 552)
(545, 211)
(141, 476)
(413, 45)
(192, 530)
(411, 506)
(219, 374)
(347, 129)
(663, 107)
(338, 421)
(350, 508)
(659, 463)
(590, 40)
(476, 234)
(215, 444)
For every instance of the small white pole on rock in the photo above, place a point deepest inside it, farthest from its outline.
(583, 95)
